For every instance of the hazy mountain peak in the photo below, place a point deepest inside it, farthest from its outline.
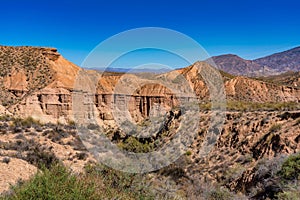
(283, 61)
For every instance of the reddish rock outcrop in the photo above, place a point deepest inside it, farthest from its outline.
(39, 82)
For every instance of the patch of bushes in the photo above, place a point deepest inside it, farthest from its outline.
(27, 122)
(290, 169)
(117, 184)
(35, 153)
(176, 170)
(82, 156)
(54, 183)
(134, 145)
(219, 194)
(267, 106)
(188, 153)
(289, 195)
(98, 182)
(234, 172)
(71, 123)
(32, 152)
(5, 118)
(57, 135)
(40, 157)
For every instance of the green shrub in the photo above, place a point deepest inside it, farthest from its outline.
(134, 145)
(289, 195)
(219, 194)
(290, 169)
(268, 106)
(5, 117)
(71, 123)
(117, 184)
(98, 182)
(54, 183)
(27, 122)
(188, 153)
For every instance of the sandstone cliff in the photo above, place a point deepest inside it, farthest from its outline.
(39, 82)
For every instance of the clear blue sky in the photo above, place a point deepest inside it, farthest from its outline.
(248, 28)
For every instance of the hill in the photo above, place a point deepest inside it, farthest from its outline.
(236, 65)
(274, 64)
(282, 62)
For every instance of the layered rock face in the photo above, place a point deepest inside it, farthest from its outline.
(140, 104)
(245, 89)
(39, 82)
(36, 82)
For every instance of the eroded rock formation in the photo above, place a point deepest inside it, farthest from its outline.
(39, 82)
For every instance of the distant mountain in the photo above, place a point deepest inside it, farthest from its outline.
(274, 64)
(236, 65)
(283, 61)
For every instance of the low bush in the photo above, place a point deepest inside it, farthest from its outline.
(290, 169)
(134, 145)
(54, 183)
(98, 182)
(267, 106)
(27, 122)
(188, 153)
(289, 195)
(5, 117)
(219, 194)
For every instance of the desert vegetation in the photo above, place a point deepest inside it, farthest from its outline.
(98, 182)
(249, 161)
(249, 106)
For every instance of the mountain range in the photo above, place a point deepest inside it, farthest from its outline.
(274, 64)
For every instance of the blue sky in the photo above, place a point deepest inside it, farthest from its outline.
(250, 29)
